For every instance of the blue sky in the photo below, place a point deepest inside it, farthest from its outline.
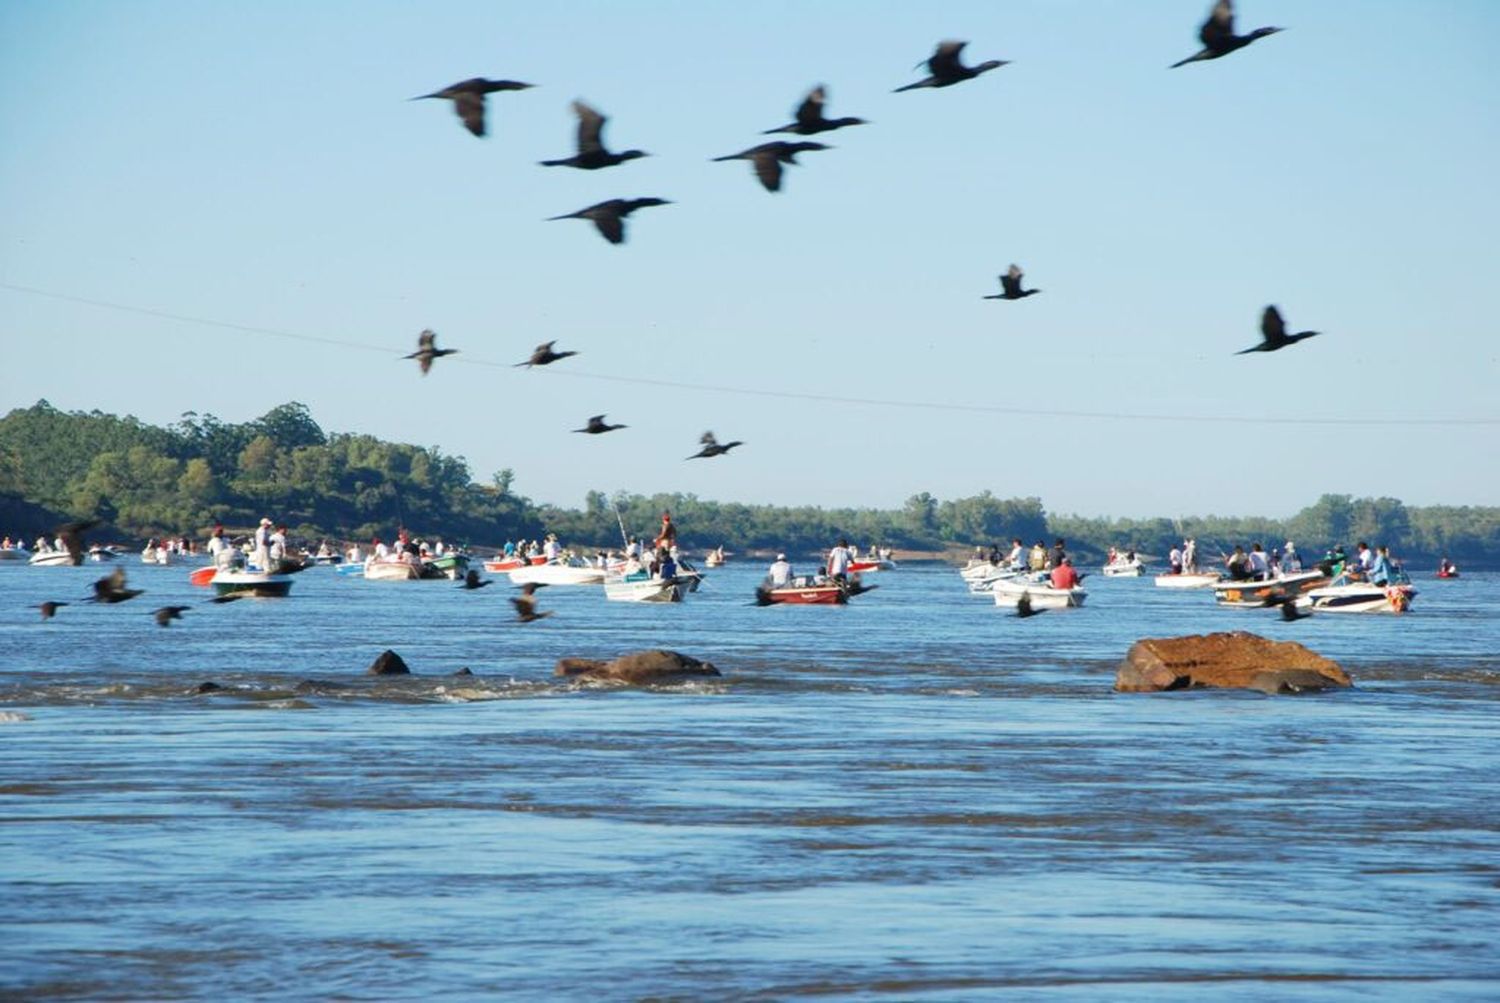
(259, 165)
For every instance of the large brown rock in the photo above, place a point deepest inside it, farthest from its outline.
(1237, 659)
(640, 667)
(388, 663)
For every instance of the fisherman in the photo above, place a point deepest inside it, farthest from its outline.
(838, 561)
(1364, 557)
(1174, 561)
(780, 573)
(1237, 564)
(1291, 561)
(1063, 575)
(1017, 557)
(1260, 568)
(1058, 553)
(1382, 568)
(1190, 556)
(262, 540)
(219, 551)
(1036, 560)
(667, 535)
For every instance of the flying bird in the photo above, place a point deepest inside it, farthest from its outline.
(1273, 333)
(597, 426)
(473, 581)
(71, 535)
(49, 608)
(468, 98)
(167, 614)
(525, 604)
(1010, 286)
(111, 588)
(591, 152)
(946, 69)
(809, 115)
(1024, 607)
(712, 447)
(609, 216)
(1218, 37)
(1290, 611)
(767, 159)
(543, 355)
(427, 350)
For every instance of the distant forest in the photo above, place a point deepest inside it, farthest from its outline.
(143, 481)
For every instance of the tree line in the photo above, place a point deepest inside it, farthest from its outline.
(142, 480)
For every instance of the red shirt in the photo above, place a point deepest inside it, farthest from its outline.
(1064, 577)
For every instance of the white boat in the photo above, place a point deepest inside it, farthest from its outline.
(559, 572)
(156, 555)
(1122, 568)
(715, 558)
(1188, 580)
(1345, 596)
(1009, 593)
(1001, 573)
(1252, 594)
(645, 589)
(392, 571)
(17, 553)
(98, 553)
(239, 582)
(51, 558)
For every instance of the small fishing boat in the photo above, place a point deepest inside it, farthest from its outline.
(450, 565)
(803, 590)
(861, 565)
(1250, 594)
(102, 553)
(501, 563)
(1344, 595)
(715, 558)
(641, 587)
(257, 584)
(392, 570)
(51, 559)
(156, 555)
(564, 571)
(1009, 593)
(16, 553)
(1188, 580)
(1447, 569)
(1125, 567)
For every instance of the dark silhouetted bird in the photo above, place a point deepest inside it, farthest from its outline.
(111, 588)
(946, 69)
(1273, 333)
(468, 98)
(167, 614)
(473, 581)
(767, 159)
(1218, 37)
(49, 608)
(525, 604)
(609, 216)
(1010, 286)
(543, 355)
(427, 350)
(597, 426)
(809, 114)
(1024, 607)
(71, 535)
(591, 152)
(1291, 611)
(712, 447)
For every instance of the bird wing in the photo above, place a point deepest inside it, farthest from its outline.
(707, 439)
(470, 108)
(611, 225)
(1272, 327)
(944, 61)
(597, 419)
(768, 169)
(810, 111)
(1220, 25)
(590, 125)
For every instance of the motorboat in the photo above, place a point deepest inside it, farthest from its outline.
(1042, 596)
(715, 558)
(1345, 595)
(980, 574)
(156, 555)
(1125, 567)
(1188, 580)
(805, 590)
(860, 565)
(16, 553)
(392, 570)
(451, 565)
(1447, 569)
(101, 553)
(563, 571)
(257, 584)
(502, 563)
(51, 559)
(1255, 594)
(641, 587)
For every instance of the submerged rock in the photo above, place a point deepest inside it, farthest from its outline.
(388, 664)
(639, 667)
(465, 671)
(1238, 660)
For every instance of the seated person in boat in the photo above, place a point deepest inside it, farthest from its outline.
(1237, 565)
(1017, 556)
(1260, 565)
(780, 573)
(1174, 562)
(1291, 561)
(666, 564)
(1063, 576)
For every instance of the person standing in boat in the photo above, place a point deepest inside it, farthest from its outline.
(1059, 552)
(1036, 560)
(667, 535)
(1363, 557)
(262, 541)
(1260, 567)
(1382, 569)
(838, 561)
(219, 550)
(1190, 556)
(1174, 562)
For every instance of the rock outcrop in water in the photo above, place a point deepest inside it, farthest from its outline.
(1237, 660)
(388, 664)
(656, 666)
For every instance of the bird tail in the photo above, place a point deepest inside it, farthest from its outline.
(908, 87)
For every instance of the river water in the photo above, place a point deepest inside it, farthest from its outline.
(918, 796)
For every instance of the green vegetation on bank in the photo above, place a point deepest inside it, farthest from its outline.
(143, 481)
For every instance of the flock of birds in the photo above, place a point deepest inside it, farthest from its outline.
(945, 68)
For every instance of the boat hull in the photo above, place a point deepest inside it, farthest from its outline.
(1130, 569)
(500, 565)
(1187, 580)
(1041, 596)
(1360, 598)
(1270, 592)
(248, 583)
(645, 590)
(392, 571)
(811, 595)
(51, 559)
(556, 574)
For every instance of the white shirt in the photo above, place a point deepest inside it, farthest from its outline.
(781, 573)
(552, 550)
(838, 561)
(1258, 563)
